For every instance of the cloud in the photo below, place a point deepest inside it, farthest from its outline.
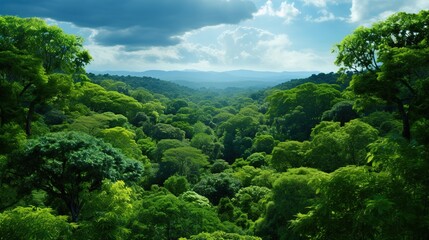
(286, 11)
(132, 23)
(316, 3)
(324, 16)
(367, 12)
(234, 48)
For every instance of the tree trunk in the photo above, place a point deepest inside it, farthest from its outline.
(29, 117)
(74, 209)
(406, 129)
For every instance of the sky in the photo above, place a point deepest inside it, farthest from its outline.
(211, 35)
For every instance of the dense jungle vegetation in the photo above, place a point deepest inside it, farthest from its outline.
(336, 156)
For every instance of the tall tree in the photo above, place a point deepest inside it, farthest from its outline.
(391, 62)
(37, 61)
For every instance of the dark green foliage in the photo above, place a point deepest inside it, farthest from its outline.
(176, 184)
(66, 164)
(222, 235)
(252, 200)
(12, 137)
(341, 112)
(263, 143)
(219, 166)
(217, 186)
(257, 159)
(167, 131)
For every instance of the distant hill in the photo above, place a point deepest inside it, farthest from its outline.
(330, 78)
(166, 88)
(219, 80)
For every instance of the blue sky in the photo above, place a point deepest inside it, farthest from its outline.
(211, 35)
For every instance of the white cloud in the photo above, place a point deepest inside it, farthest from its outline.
(235, 48)
(286, 11)
(324, 16)
(367, 12)
(317, 3)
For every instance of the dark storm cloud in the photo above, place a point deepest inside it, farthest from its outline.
(135, 23)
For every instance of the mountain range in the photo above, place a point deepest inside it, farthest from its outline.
(218, 80)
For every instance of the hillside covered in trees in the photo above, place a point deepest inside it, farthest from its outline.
(335, 156)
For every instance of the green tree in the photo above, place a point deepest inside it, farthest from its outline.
(66, 164)
(38, 63)
(100, 100)
(184, 161)
(207, 144)
(33, 223)
(164, 216)
(165, 144)
(252, 200)
(289, 154)
(222, 235)
(237, 133)
(333, 146)
(355, 203)
(263, 143)
(341, 112)
(293, 192)
(390, 60)
(217, 186)
(177, 184)
(193, 197)
(257, 159)
(123, 139)
(107, 212)
(167, 131)
(96, 122)
(296, 111)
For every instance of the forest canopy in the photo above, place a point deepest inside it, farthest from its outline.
(333, 156)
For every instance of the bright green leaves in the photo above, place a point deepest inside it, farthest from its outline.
(58, 51)
(289, 154)
(355, 203)
(33, 223)
(294, 112)
(100, 100)
(330, 148)
(292, 192)
(164, 216)
(38, 64)
(108, 212)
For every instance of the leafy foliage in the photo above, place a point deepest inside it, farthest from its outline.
(33, 223)
(66, 164)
